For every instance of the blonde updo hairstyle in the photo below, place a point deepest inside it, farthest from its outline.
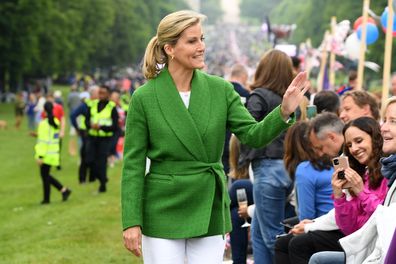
(168, 32)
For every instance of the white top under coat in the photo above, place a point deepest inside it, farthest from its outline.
(185, 96)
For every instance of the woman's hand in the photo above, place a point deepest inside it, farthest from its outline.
(243, 212)
(294, 94)
(133, 240)
(337, 184)
(95, 126)
(299, 228)
(355, 181)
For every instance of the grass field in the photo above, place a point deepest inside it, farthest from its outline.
(85, 229)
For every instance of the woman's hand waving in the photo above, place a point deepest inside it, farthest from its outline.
(294, 95)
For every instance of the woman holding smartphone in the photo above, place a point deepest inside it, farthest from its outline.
(367, 186)
(353, 206)
(363, 237)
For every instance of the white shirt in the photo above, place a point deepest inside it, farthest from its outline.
(185, 96)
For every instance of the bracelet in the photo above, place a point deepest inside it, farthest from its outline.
(290, 119)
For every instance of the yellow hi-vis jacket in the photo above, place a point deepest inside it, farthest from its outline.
(81, 118)
(124, 101)
(47, 146)
(102, 118)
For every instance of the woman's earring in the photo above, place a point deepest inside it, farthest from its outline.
(172, 57)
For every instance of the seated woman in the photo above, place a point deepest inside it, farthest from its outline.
(366, 189)
(312, 174)
(361, 239)
(240, 175)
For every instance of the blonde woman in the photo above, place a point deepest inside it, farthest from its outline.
(178, 120)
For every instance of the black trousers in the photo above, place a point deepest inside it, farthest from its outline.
(299, 249)
(114, 141)
(84, 166)
(98, 149)
(48, 180)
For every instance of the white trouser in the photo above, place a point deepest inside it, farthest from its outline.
(208, 250)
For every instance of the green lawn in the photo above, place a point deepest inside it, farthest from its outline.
(85, 229)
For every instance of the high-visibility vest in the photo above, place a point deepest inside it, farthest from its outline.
(81, 118)
(81, 122)
(47, 146)
(124, 101)
(102, 118)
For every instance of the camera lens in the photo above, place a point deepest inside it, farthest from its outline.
(336, 162)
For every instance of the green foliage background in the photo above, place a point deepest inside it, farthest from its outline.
(43, 37)
(48, 37)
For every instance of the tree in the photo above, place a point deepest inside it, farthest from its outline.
(256, 10)
(20, 24)
(212, 9)
(46, 37)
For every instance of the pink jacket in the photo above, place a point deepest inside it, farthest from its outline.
(351, 215)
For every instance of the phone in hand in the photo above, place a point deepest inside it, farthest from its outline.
(341, 162)
(287, 225)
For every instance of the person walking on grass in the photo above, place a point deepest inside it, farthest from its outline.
(101, 121)
(47, 153)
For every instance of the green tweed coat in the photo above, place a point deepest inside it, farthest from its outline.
(184, 195)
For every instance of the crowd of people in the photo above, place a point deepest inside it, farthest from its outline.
(192, 129)
(96, 117)
(329, 208)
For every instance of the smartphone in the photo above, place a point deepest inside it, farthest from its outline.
(311, 111)
(281, 235)
(341, 162)
(286, 225)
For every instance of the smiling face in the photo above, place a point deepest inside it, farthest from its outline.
(349, 110)
(359, 144)
(188, 52)
(388, 129)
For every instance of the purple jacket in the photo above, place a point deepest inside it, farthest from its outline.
(351, 215)
(391, 256)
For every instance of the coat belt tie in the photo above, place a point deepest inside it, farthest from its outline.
(186, 168)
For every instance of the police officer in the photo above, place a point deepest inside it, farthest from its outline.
(101, 122)
(77, 118)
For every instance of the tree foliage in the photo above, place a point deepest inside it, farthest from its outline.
(45, 37)
(256, 10)
(212, 9)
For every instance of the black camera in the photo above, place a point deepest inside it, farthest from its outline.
(336, 162)
(341, 175)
